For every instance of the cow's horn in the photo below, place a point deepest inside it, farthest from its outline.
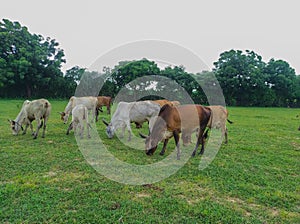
(104, 122)
(142, 135)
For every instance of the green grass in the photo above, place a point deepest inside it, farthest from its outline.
(253, 179)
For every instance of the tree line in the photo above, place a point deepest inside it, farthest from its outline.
(31, 67)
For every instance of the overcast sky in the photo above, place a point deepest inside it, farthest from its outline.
(88, 29)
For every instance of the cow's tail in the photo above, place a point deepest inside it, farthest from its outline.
(229, 121)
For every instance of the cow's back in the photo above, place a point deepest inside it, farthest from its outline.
(40, 107)
(89, 101)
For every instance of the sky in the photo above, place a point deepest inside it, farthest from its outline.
(89, 29)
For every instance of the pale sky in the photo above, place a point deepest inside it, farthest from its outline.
(88, 29)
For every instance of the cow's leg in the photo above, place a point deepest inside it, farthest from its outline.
(108, 109)
(25, 129)
(226, 135)
(75, 128)
(39, 123)
(199, 140)
(88, 129)
(81, 129)
(164, 147)
(44, 126)
(69, 128)
(176, 137)
(97, 113)
(203, 140)
(123, 126)
(129, 130)
(31, 128)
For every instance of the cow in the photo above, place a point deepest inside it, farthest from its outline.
(163, 102)
(127, 113)
(38, 110)
(79, 120)
(89, 101)
(218, 120)
(171, 121)
(103, 101)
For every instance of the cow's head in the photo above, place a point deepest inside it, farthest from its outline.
(110, 130)
(64, 117)
(15, 127)
(150, 144)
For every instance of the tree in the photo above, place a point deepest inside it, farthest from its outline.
(241, 77)
(281, 79)
(185, 80)
(126, 73)
(28, 62)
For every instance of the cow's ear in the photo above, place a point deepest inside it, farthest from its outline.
(11, 121)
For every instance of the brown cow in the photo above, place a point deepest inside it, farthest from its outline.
(104, 101)
(172, 121)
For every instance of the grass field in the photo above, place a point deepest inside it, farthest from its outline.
(253, 179)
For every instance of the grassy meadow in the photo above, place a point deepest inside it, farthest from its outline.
(255, 178)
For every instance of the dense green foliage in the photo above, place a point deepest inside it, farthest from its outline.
(30, 66)
(253, 179)
(248, 81)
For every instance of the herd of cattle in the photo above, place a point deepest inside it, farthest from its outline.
(166, 119)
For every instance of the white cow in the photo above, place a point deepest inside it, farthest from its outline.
(79, 120)
(126, 113)
(89, 101)
(38, 110)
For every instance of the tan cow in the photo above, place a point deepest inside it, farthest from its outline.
(218, 119)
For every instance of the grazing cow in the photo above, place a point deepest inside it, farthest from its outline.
(219, 116)
(79, 120)
(89, 101)
(103, 101)
(126, 113)
(171, 121)
(38, 110)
